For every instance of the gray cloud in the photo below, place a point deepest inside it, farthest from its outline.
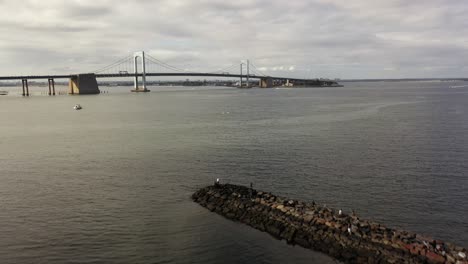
(316, 38)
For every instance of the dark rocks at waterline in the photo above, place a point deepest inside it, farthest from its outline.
(344, 237)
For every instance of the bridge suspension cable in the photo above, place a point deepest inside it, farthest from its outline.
(256, 70)
(126, 65)
(163, 64)
(123, 61)
(174, 68)
(226, 69)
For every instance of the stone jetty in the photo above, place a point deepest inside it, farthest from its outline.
(343, 236)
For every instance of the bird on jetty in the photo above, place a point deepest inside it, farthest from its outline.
(340, 212)
(349, 229)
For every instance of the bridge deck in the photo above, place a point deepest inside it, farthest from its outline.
(117, 75)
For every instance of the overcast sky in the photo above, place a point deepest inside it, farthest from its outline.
(300, 38)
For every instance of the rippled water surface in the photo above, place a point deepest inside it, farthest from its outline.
(112, 183)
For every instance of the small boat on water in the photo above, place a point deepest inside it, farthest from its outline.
(3, 92)
(77, 107)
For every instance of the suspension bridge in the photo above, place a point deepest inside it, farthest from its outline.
(139, 66)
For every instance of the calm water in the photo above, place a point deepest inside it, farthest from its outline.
(112, 183)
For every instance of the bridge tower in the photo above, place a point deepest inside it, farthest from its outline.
(141, 55)
(248, 73)
(240, 84)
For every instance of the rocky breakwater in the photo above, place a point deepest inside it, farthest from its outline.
(343, 236)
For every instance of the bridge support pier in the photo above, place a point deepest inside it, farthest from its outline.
(25, 87)
(83, 84)
(51, 86)
(266, 82)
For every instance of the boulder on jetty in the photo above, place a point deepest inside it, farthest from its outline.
(344, 237)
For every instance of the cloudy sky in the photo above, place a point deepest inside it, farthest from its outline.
(297, 38)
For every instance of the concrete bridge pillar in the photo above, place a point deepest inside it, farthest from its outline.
(51, 86)
(84, 84)
(25, 87)
(266, 82)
